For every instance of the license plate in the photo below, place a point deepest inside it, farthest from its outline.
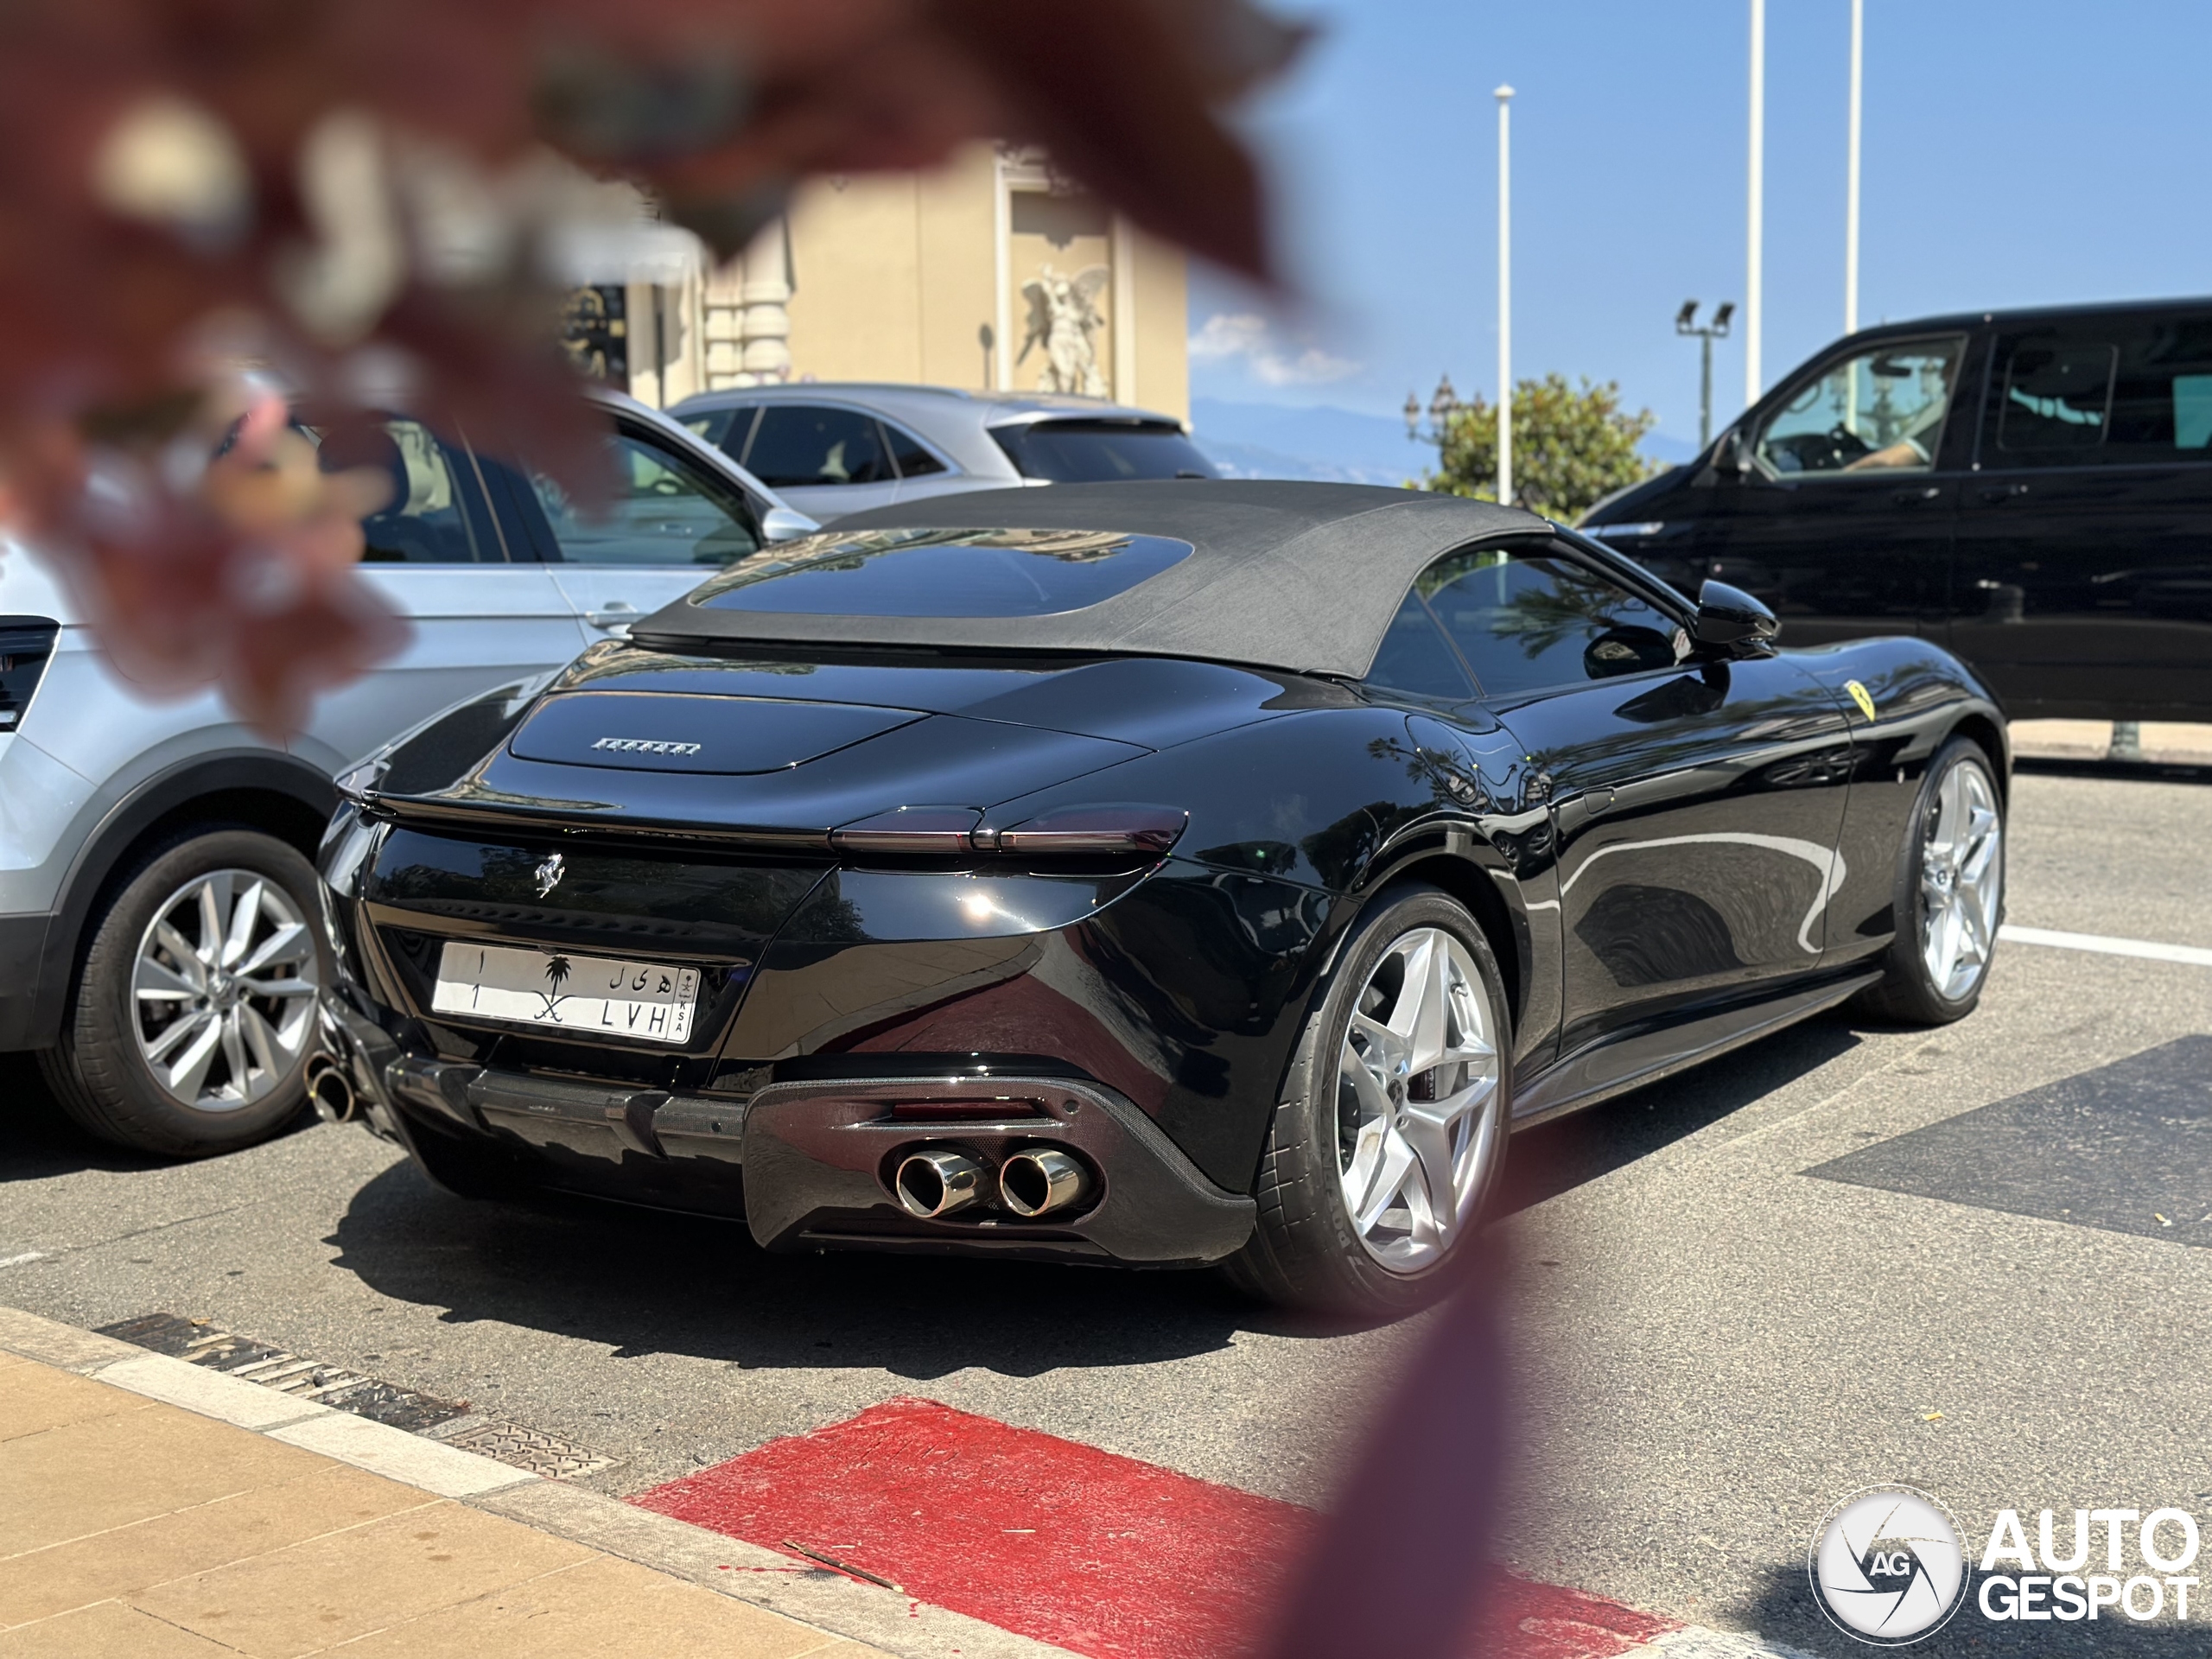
(648, 1002)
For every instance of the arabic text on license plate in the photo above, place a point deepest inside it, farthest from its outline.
(648, 1001)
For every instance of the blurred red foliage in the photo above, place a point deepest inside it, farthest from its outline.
(188, 183)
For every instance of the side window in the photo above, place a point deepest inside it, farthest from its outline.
(666, 511)
(2057, 397)
(434, 516)
(1528, 621)
(1416, 658)
(726, 428)
(2191, 397)
(1882, 410)
(2135, 390)
(914, 461)
(797, 445)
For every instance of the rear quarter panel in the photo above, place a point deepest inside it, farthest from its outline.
(1921, 695)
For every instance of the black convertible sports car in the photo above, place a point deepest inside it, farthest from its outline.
(1166, 873)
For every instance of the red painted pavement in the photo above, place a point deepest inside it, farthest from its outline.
(1069, 1545)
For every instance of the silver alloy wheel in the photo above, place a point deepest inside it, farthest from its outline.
(223, 990)
(1961, 880)
(1418, 1112)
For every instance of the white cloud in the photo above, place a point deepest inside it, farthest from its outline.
(1272, 362)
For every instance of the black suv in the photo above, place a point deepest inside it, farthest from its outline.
(2032, 488)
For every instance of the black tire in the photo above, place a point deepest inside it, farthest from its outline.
(1306, 1251)
(1907, 991)
(97, 1071)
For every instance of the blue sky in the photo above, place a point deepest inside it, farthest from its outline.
(2015, 153)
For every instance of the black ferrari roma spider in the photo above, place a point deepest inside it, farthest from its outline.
(1168, 873)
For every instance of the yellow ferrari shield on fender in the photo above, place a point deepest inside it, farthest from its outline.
(1862, 696)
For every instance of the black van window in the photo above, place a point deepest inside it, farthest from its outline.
(2131, 391)
(2056, 397)
(1879, 411)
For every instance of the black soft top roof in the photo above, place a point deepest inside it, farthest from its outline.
(1291, 575)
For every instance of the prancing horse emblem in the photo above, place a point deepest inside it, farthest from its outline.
(549, 874)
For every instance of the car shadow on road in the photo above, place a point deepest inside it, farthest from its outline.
(647, 1281)
(1550, 1159)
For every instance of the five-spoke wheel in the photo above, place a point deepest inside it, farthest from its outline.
(1962, 879)
(1393, 1123)
(1950, 892)
(1416, 1099)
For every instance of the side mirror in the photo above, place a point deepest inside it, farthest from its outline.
(1731, 623)
(1732, 456)
(786, 525)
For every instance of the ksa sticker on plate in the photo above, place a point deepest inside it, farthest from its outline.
(646, 1002)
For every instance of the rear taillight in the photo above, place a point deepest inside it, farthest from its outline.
(1090, 831)
(1107, 831)
(941, 831)
(26, 645)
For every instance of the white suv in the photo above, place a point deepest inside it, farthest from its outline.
(160, 946)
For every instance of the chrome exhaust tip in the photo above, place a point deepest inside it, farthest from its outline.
(934, 1183)
(330, 1091)
(1041, 1181)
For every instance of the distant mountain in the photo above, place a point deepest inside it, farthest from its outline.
(1337, 446)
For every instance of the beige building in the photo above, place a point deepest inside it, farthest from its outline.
(989, 274)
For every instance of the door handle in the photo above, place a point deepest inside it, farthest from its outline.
(1996, 492)
(615, 619)
(1914, 496)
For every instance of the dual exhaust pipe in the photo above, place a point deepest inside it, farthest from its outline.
(1038, 1181)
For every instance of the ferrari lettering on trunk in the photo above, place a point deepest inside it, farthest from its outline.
(645, 746)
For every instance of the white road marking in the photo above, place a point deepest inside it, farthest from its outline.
(2149, 950)
(18, 1261)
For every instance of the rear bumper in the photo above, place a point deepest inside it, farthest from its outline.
(808, 1164)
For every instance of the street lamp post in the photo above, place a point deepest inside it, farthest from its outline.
(1504, 96)
(1755, 215)
(1443, 404)
(1686, 323)
(1851, 173)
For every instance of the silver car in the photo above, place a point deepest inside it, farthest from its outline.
(160, 946)
(833, 448)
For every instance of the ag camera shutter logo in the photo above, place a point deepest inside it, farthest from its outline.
(1889, 1566)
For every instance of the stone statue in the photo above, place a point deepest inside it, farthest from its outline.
(1064, 317)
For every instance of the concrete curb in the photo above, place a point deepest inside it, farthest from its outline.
(829, 1601)
(766, 1578)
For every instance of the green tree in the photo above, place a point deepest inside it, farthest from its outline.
(1570, 446)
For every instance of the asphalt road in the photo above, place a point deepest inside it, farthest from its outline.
(1995, 1287)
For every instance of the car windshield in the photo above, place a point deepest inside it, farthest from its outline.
(968, 573)
(1101, 452)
